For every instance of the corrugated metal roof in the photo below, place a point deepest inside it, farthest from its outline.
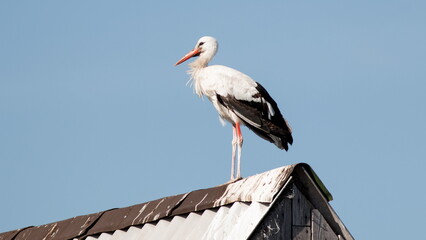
(210, 213)
(219, 223)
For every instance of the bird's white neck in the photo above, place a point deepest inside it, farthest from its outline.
(201, 62)
(198, 66)
(196, 72)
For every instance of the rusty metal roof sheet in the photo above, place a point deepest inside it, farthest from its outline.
(208, 205)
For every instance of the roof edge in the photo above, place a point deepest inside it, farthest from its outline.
(263, 187)
(317, 180)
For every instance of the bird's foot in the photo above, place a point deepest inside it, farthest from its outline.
(234, 180)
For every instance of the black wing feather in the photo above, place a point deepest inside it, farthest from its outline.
(258, 118)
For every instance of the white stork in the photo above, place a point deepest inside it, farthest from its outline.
(238, 99)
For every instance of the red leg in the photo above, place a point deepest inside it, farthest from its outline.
(239, 135)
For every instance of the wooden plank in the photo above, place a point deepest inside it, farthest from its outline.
(301, 233)
(301, 209)
(276, 224)
(307, 186)
(320, 228)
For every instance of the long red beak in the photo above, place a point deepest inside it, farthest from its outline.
(189, 55)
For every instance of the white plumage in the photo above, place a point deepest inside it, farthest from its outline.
(238, 99)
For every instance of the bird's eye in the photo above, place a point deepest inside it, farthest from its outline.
(200, 44)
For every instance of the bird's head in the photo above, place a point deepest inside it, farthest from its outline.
(205, 49)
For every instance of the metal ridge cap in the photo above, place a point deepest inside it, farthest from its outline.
(316, 179)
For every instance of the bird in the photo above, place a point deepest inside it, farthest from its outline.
(238, 99)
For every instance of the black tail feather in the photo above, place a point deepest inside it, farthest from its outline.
(281, 141)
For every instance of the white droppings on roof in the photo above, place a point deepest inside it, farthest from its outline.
(196, 205)
(170, 208)
(140, 212)
(158, 215)
(83, 227)
(52, 232)
(260, 188)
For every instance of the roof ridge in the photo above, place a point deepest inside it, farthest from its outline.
(262, 187)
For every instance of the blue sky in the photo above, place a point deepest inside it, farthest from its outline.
(93, 114)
